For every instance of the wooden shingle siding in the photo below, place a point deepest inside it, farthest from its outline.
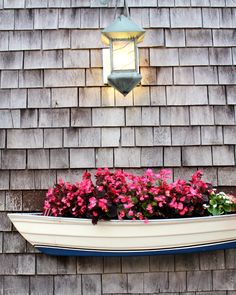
(57, 119)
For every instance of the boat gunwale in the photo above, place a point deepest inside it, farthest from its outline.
(39, 218)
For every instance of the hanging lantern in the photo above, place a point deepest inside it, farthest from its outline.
(122, 61)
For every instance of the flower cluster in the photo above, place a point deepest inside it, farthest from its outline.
(151, 196)
(122, 195)
(221, 203)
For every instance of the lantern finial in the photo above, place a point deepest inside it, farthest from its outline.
(124, 82)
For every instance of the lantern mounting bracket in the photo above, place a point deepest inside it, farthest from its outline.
(125, 7)
(125, 10)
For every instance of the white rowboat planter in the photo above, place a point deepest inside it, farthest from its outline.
(79, 237)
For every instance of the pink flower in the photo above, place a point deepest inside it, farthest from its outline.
(180, 206)
(121, 214)
(131, 213)
(60, 182)
(100, 188)
(92, 203)
(150, 208)
(167, 193)
(183, 211)
(128, 206)
(49, 192)
(149, 172)
(123, 199)
(80, 201)
(102, 203)
(66, 201)
(139, 215)
(193, 191)
(46, 205)
(163, 174)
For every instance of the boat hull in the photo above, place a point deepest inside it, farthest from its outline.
(78, 237)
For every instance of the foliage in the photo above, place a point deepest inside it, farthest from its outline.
(221, 203)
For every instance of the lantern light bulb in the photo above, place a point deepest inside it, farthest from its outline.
(123, 55)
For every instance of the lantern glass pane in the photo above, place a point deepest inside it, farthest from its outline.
(123, 55)
(106, 63)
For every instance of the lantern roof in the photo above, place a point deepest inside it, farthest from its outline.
(123, 28)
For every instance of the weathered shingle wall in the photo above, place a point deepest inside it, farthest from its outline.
(57, 118)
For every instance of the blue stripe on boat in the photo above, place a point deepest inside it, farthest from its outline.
(82, 252)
